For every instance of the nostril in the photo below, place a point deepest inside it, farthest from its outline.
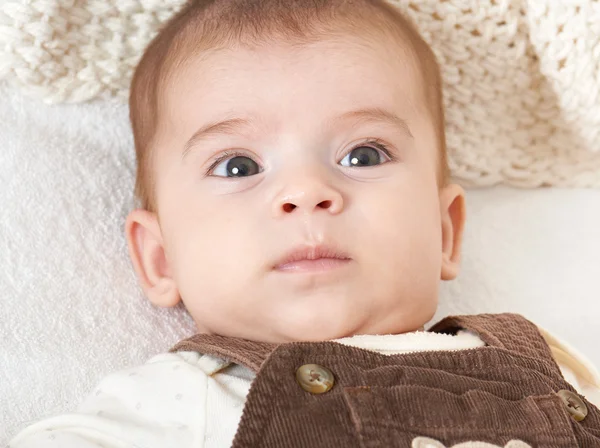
(288, 207)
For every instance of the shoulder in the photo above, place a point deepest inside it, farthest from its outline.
(567, 355)
(126, 408)
(575, 367)
(162, 372)
(169, 383)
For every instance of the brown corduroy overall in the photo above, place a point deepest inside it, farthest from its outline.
(504, 391)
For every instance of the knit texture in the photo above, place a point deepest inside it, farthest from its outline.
(521, 76)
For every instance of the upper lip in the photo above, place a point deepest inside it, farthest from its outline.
(307, 252)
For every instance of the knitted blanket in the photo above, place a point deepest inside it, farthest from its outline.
(522, 77)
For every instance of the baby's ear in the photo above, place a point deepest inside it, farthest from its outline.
(453, 214)
(147, 253)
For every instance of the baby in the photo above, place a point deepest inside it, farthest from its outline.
(296, 198)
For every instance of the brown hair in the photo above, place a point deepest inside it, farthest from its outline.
(207, 24)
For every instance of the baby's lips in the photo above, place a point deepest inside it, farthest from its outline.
(311, 252)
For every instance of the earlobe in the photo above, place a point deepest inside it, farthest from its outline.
(453, 214)
(147, 253)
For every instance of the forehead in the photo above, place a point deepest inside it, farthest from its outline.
(286, 79)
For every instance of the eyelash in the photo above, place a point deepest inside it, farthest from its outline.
(374, 143)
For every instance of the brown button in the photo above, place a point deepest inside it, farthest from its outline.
(574, 404)
(314, 378)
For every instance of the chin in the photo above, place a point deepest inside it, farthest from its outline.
(316, 329)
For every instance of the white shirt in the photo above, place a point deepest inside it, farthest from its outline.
(187, 399)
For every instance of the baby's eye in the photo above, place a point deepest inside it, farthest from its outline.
(364, 156)
(238, 166)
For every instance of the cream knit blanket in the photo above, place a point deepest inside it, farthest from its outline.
(522, 77)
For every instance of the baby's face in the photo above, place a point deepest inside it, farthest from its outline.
(267, 157)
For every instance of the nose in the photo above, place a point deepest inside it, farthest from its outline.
(308, 197)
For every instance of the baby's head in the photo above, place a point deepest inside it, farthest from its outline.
(272, 132)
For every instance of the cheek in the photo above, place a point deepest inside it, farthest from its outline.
(209, 245)
(404, 229)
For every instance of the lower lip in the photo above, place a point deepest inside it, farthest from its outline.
(318, 265)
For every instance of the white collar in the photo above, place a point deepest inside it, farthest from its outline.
(416, 341)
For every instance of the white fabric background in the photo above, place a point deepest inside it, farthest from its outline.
(71, 308)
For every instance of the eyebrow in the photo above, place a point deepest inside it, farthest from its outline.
(230, 126)
(234, 125)
(376, 114)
